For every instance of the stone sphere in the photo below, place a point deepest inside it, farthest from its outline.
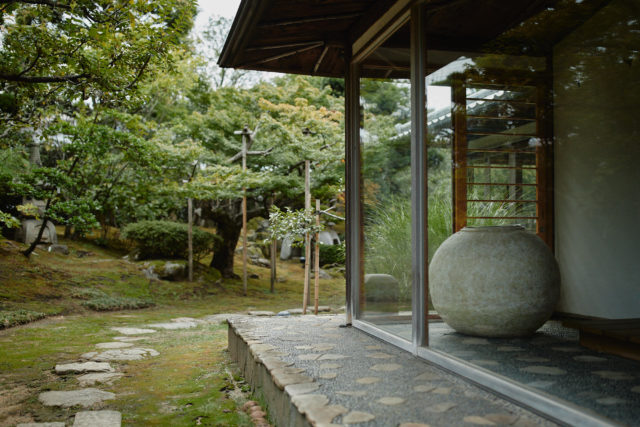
(497, 281)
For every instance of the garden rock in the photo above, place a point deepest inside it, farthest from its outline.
(172, 271)
(54, 424)
(133, 331)
(382, 292)
(121, 354)
(174, 325)
(98, 419)
(83, 397)
(59, 249)
(81, 368)
(261, 262)
(100, 377)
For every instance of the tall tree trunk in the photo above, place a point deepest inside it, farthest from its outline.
(229, 230)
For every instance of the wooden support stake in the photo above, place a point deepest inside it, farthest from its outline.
(307, 243)
(244, 214)
(274, 248)
(190, 236)
(316, 265)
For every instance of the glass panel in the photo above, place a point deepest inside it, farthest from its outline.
(386, 191)
(533, 119)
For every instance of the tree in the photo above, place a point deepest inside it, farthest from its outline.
(279, 110)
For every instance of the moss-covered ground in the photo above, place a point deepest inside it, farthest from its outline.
(190, 383)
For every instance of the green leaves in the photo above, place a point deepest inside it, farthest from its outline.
(293, 224)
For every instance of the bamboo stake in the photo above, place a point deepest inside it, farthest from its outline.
(190, 236)
(274, 248)
(244, 213)
(316, 266)
(307, 243)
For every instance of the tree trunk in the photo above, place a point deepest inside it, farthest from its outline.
(229, 230)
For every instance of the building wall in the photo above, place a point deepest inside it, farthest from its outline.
(597, 164)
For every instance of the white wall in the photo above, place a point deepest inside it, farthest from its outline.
(597, 164)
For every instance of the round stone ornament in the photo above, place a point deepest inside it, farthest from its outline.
(495, 281)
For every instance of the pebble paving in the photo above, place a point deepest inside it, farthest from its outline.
(392, 388)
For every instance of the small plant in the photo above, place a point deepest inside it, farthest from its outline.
(108, 303)
(97, 300)
(11, 318)
(166, 239)
(292, 224)
(332, 254)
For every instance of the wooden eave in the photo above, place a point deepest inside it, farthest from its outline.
(316, 37)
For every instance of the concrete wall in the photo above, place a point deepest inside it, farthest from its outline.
(597, 164)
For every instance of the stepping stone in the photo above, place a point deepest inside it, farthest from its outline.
(424, 388)
(129, 339)
(83, 397)
(541, 384)
(188, 319)
(532, 359)
(295, 311)
(390, 401)
(368, 380)
(53, 424)
(353, 393)
(133, 331)
(379, 355)
(427, 376)
(544, 370)
(328, 376)
(305, 388)
(112, 345)
(103, 378)
(477, 420)
(442, 390)
(441, 407)
(174, 325)
(310, 356)
(122, 354)
(330, 356)
(81, 368)
(589, 359)
(262, 313)
(98, 419)
(613, 375)
(414, 425)
(330, 366)
(355, 417)
(504, 419)
(323, 347)
(386, 367)
(610, 401)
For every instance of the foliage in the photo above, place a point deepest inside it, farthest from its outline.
(166, 239)
(8, 220)
(294, 224)
(63, 53)
(12, 318)
(332, 254)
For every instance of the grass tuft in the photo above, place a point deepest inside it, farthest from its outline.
(18, 317)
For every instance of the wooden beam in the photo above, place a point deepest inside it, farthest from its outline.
(320, 58)
(282, 46)
(282, 55)
(307, 20)
(382, 28)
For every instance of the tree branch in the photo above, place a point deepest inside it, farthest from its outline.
(250, 153)
(51, 3)
(43, 79)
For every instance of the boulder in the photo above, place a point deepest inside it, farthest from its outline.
(172, 271)
(59, 249)
(29, 231)
(382, 293)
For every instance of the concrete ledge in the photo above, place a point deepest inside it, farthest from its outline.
(268, 377)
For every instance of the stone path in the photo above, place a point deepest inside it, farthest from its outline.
(94, 368)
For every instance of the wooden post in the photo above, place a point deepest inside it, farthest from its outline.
(274, 248)
(190, 236)
(316, 266)
(307, 243)
(244, 212)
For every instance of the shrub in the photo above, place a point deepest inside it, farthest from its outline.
(166, 239)
(99, 301)
(108, 303)
(18, 317)
(332, 254)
